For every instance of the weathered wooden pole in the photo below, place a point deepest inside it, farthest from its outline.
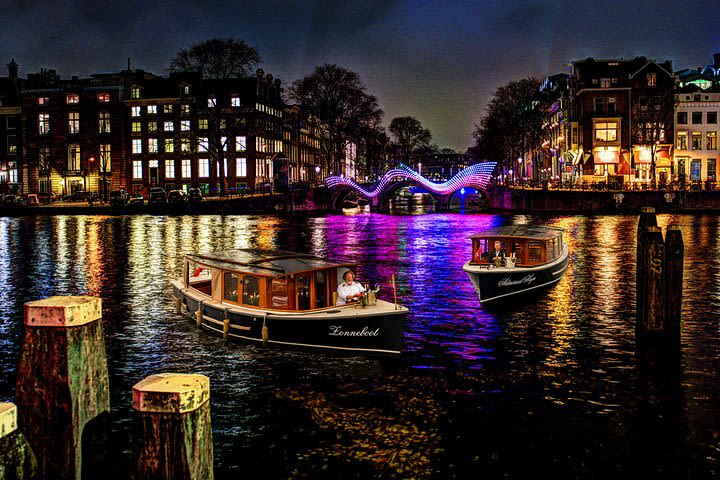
(647, 219)
(17, 460)
(63, 393)
(674, 255)
(653, 319)
(172, 430)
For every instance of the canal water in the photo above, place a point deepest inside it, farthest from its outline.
(551, 388)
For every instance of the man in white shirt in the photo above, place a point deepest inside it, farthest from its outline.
(349, 290)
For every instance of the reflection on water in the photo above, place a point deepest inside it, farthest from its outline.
(557, 380)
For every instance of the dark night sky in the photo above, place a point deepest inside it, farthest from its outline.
(438, 61)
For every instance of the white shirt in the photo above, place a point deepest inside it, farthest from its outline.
(344, 290)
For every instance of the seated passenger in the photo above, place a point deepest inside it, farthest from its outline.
(349, 291)
(497, 252)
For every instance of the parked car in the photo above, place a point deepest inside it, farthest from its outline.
(13, 200)
(79, 196)
(32, 199)
(136, 199)
(195, 195)
(47, 197)
(177, 197)
(118, 198)
(157, 195)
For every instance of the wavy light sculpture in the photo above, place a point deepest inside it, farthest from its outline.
(475, 176)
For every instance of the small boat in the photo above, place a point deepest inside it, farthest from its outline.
(285, 299)
(536, 258)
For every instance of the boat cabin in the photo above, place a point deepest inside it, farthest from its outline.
(531, 244)
(265, 280)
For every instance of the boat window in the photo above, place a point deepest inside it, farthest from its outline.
(251, 291)
(230, 287)
(535, 252)
(517, 249)
(198, 273)
(320, 289)
(482, 248)
(303, 292)
(279, 293)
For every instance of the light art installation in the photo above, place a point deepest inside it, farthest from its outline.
(475, 176)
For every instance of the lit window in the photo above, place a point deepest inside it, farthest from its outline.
(103, 97)
(235, 101)
(104, 122)
(241, 167)
(203, 167)
(12, 172)
(168, 126)
(73, 157)
(169, 145)
(169, 168)
(136, 127)
(134, 111)
(152, 109)
(152, 127)
(137, 169)
(184, 109)
(153, 164)
(43, 100)
(185, 125)
(73, 122)
(185, 145)
(12, 144)
(240, 144)
(152, 145)
(224, 143)
(606, 131)
(137, 145)
(682, 140)
(72, 98)
(167, 109)
(203, 123)
(186, 89)
(185, 165)
(203, 144)
(697, 140)
(43, 123)
(212, 101)
(651, 79)
(105, 158)
(711, 143)
(225, 169)
(135, 92)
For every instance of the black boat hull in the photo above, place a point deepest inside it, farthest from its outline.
(350, 330)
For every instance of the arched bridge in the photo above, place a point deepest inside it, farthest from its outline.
(475, 176)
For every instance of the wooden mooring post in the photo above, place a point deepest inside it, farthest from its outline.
(659, 280)
(17, 460)
(63, 394)
(172, 428)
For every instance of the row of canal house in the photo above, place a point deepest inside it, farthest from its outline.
(135, 130)
(618, 120)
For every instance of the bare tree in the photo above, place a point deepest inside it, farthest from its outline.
(337, 98)
(653, 122)
(409, 134)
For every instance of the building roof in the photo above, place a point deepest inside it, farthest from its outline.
(274, 263)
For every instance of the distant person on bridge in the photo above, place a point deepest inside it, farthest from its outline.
(349, 291)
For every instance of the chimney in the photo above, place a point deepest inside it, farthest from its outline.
(12, 69)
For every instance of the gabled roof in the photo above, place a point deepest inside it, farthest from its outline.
(646, 65)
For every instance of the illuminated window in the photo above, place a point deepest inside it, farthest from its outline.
(135, 92)
(682, 141)
(167, 109)
(134, 111)
(168, 126)
(711, 141)
(203, 123)
(651, 79)
(103, 97)
(185, 125)
(153, 164)
(241, 167)
(203, 167)
(104, 122)
(72, 98)
(203, 144)
(235, 101)
(152, 127)
(73, 122)
(136, 127)
(230, 287)
(12, 172)
(240, 144)
(184, 109)
(695, 168)
(279, 290)
(711, 169)
(697, 140)
(152, 109)
(169, 145)
(225, 169)
(105, 158)
(606, 131)
(43, 100)
(152, 145)
(185, 145)
(73, 162)
(137, 169)
(169, 168)
(212, 101)
(604, 83)
(186, 89)
(251, 291)
(185, 167)
(43, 123)
(224, 143)
(137, 145)
(12, 144)
(612, 105)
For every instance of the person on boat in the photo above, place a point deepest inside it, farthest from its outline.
(349, 291)
(497, 252)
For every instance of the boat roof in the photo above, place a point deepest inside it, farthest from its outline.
(274, 263)
(539, 232)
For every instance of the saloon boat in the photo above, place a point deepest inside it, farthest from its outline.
(536, 258)
(285, 299)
